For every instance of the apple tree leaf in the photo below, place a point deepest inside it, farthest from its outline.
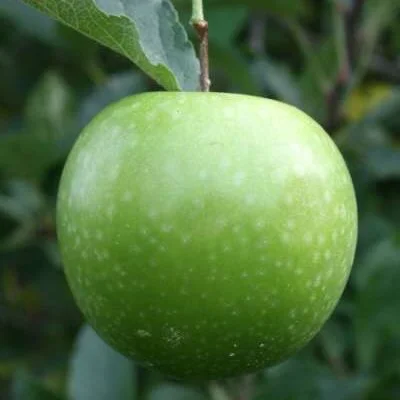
(98, 372)
(26, 387)
(175, 392)
(147, 32)
(116, 87)
(279, 80)
(29, 153)
(377, 304)
(30, 21)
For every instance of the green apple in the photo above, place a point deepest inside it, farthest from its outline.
(206, 234)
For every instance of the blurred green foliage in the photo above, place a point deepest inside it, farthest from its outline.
(53, 81)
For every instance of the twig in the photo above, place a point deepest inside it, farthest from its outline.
(353, 17)
(346, 33)
(335, 98)
(201, 27)
(202, 30)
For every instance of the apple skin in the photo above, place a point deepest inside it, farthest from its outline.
(206, 234)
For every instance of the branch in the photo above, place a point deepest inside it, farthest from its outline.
(352, 19)
(201, 27)
(202, 31)
(347, 37)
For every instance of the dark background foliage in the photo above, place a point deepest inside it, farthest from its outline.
(338, 60)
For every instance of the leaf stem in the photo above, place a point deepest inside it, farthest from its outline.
(201, 26)
(197, 12)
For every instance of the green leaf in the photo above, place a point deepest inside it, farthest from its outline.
(311, 60)
(317, 78)
(353, 388)
(360, 138)
(278, 80)
(375, 155)
(37, 25)
(30, 21)
(21, 201)
(225, 23)
(387, 388)
(55, 296)
(25, 387)
(386, 113)
(97, 372)
(24, 204)
(234, 66)
(378, 303)
(148, 33)
(48, 120)
(378, 256)
(21, 157)
(115, 88)
(49, 111)
(309, 380)
(175, 392)
(218, 392)
(334, 341)
(373, 147)
(384, 163)
(373, 229)
(304, 377)
(378, 15)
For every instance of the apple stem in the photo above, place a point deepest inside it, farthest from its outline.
(201, 26)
